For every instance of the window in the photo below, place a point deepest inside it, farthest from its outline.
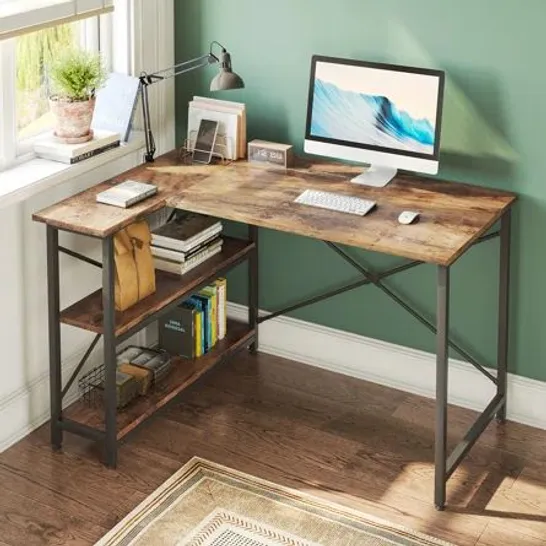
(131, 35)
(24, 59)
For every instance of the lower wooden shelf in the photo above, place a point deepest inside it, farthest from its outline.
(182, 374)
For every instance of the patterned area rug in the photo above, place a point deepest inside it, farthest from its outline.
(205, 504)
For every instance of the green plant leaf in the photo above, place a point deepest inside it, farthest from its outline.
(76, 75)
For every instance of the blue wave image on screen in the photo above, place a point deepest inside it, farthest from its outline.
(369, 119)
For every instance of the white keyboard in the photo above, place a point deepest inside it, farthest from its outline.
(335, 201)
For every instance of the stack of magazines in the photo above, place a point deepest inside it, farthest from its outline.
(186, 242)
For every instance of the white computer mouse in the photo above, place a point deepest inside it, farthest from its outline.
(408, 217)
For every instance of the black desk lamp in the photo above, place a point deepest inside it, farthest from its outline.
(224, 80)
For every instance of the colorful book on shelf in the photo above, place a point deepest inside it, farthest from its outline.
(52, 148)
(212, 292)
(186, 232)
(199, 325)
(178, 256)
(207, 301)
(181, 268)
(200, 333)
(221, 285)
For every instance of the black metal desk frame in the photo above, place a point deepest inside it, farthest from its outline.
(444, 465)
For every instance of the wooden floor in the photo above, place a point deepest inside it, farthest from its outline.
(359, 444)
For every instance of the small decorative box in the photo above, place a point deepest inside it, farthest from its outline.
(155, 363)
(128, 354)
(271, 153)
(143, 376)
(127, 388)
(159, 365)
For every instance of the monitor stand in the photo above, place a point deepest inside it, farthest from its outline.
(376, 177)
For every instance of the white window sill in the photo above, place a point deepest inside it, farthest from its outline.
(36, 175)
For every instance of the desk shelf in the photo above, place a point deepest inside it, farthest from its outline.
(182, 375)
(170, 288)
(103, 421)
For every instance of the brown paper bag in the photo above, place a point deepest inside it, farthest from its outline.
(141, 239)
(135, 273)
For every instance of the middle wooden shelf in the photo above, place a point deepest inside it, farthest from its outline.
(88, 315)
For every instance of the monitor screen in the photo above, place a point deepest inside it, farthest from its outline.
(374, 106)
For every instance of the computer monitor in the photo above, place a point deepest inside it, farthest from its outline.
(385, 115)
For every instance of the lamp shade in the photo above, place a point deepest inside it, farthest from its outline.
(226, 79)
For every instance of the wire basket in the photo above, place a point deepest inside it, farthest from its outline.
(91, 385)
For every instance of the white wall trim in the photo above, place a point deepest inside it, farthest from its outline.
(402, 368)
(27, 408)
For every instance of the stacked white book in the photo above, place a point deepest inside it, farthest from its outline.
(52, 148)
(183, 244)
(126, 194)
(231, 118)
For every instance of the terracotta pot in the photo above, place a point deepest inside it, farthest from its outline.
(73, 119)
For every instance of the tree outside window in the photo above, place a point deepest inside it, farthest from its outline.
(34, 53)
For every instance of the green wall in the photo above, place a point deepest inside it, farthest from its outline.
(495, 115)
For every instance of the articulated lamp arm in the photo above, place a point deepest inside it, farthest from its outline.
(226, 79)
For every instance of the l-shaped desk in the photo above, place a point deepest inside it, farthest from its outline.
(454, 217)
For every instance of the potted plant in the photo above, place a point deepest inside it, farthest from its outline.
(74, 78)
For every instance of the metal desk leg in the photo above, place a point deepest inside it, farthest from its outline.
(110, 391)
(54, 326)
(440, 453)
(504, 294)
(253, 298)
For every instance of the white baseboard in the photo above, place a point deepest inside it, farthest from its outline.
(357, 356)
(394, 366)
(26, 409)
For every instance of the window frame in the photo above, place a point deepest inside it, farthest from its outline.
(140, 38)
(95, 34)
(8, 143)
